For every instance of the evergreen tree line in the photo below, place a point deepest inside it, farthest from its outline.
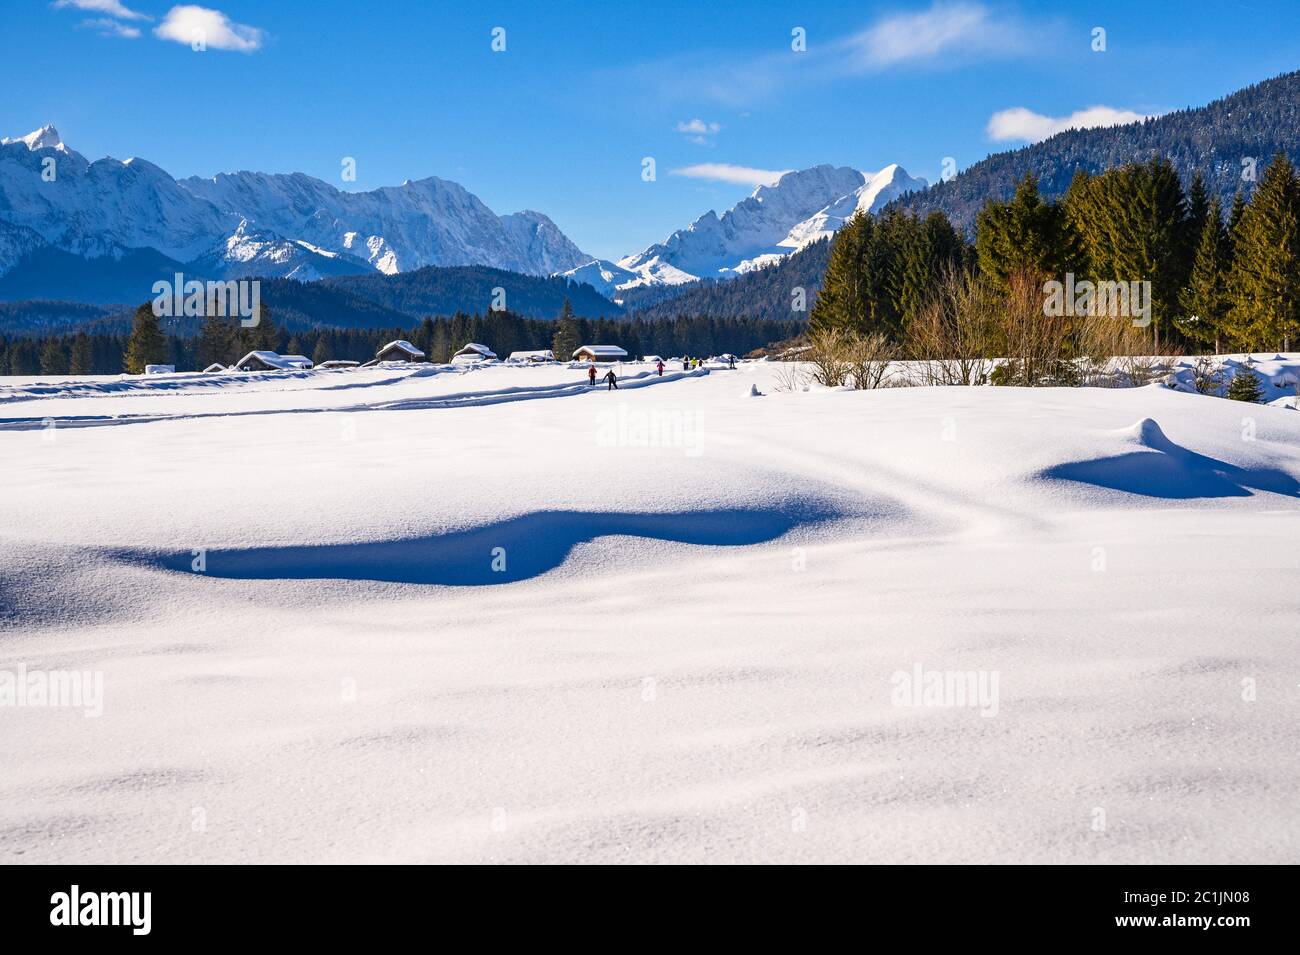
(1217, 280)
(223, 341)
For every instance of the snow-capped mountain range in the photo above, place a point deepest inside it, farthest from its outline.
(64, 218)
(776, 220)
(250, 223)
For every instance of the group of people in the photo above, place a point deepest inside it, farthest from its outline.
(611, 379)
(689, 363)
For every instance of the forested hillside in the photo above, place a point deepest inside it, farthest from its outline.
(1228, 142)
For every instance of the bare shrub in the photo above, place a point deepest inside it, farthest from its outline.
(954, 339)
(868, 358)
(828, 357)
(791, 376)
(1036, 344)
(1208, 375)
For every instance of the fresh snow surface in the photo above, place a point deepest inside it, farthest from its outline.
(693, 649)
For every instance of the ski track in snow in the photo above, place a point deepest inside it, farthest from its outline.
(689, 653)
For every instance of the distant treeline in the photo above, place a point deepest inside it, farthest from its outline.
(222, 341)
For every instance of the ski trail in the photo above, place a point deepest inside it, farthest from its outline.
(461, 400)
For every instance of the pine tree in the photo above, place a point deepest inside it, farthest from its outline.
(1204, 299)
(1025, 235)
(1265, 309)
(1245, 385)
(566, 339)
(218, 342)
(146, 346)
(54, 358)
(321, 352)
(83, 358)
(847, 300)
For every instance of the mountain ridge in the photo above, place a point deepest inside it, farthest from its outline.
(235, 225)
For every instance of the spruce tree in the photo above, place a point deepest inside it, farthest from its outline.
(146, 346)
(321, 352)
(1204, 299)
(1266, 262)
(847, 298)
(565, 341)
(1245, 385)
(218, 342)
(54, 358)
(1023, 236)
(83, 359)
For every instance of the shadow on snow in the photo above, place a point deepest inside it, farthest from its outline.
(532, 545)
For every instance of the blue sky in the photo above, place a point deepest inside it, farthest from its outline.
(561, 120)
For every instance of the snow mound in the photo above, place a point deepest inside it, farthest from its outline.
(1163, 469)
(1148, 433)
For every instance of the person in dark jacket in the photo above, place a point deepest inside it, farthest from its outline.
(612, 379)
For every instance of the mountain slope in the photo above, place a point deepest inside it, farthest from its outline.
(394, 228)
(1253, 123)
(104, 207)
(765, 293)
(55, 206)
(801, 207)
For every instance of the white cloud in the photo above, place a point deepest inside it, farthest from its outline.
(113, 8)
(947, 35)
(726, 172)
(698, 126)
(107, 27)
(186, 24)
(945, 27)
(698, 131)
(1026, 125)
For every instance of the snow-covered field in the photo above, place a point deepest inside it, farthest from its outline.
(415, 614)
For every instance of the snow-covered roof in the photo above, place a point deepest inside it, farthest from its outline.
(652, 359)
(474, 348)
(543, 354)
(215, 366)
(270, 359)
(297, 361)
(338, 363)
(402, 345)
(607, 351)
(159, 369)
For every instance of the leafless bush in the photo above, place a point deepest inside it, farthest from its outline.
(1208, 375)
(828, 357)
(843, 357)
(955, 337)
(791, 376)
(868, 358)
(1037, 346)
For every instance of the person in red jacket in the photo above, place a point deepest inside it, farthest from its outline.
(660, 366)
(591, 375)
